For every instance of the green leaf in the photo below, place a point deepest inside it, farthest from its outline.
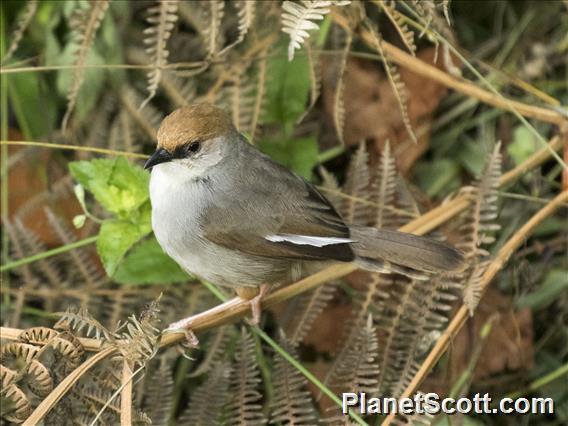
(555, 283)
(300, 155)
(522, 146)
(287, 89)
(148, 264)
(120, 187)
(93, 78)
(472, 156)
(116, 237)
(34, 106)
(438, 176)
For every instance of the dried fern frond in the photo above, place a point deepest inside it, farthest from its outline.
(212, 32)
(297, 19)
(84, 25)
(330, 187)
(292, 404)
(383, 189)
(244, 406)
(479, 226)
(21, 26)
(397, 19)
(207, 400)
(162, 19)
(158, 393)
(356, 186)
(394, 79)
(259, 102)
(315, 79)
(338, 105)
(147, 119)
(357, 370)
(305, 311)
(245, 15)
(81, 319)
(121, 134)
(216, 350)
(31, 367)
(81, 258)
(138, 341)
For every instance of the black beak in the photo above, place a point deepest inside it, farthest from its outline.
(160, 156)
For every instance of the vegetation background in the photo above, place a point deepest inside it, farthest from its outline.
(433, 117)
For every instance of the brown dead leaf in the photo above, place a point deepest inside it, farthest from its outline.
(31, 187)
(507, 349)
(372, 112)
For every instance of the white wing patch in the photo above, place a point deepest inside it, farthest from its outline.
(307, 240)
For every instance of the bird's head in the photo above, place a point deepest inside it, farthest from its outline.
(191, 139)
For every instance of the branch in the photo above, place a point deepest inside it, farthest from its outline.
(237, 308)
(463, 313)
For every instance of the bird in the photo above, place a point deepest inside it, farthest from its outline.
(229, 214)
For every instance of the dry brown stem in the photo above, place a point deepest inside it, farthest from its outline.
(126, 395)
(462, 314)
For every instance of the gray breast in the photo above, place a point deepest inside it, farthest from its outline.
(176, 215)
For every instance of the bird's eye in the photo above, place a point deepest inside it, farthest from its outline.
(193, 147)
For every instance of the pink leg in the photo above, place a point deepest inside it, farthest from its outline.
(255, 304)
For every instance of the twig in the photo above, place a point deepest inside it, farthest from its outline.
(54, 396)
(48, 253)
(236, 308)
(126, 395)
(462, 314)
(74, 148)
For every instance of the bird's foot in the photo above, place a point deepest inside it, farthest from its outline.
(191, 339)
(255, 300)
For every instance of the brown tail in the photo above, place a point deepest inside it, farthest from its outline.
(377, 248)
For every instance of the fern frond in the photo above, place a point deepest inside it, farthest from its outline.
(147, 119)
(213, 31)
(383, 189)
(207, 400)
(33, 245)
(244, 407)
(395, 81)
(406, 35)
(21, 26)
(315, 79)
(331, 188)
(356, 185)
(158, 394)
(245, 15)
(307, 310)
(297, 19)
(215, 353)
(292, 404)
(82, 261)
(84, 25)
(479, 226)
(357, 370)
(140, 336)
(338, 104)
(81, 319)
(259, 103)
(162, 19)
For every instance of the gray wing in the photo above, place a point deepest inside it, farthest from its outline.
(276, 213)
